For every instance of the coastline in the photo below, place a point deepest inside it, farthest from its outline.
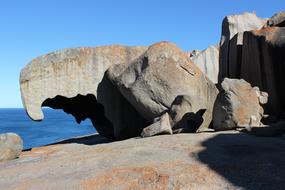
(56, 126)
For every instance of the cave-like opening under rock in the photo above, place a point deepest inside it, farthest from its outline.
(83, 107)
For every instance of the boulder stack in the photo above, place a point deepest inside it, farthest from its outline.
(132, 91)
(153, 81)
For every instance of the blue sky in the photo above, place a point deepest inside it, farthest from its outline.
(34, 27)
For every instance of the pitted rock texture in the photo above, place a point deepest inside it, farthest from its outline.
(235, 25)
(222, 160)
(208, 61)
(238, 105)
(152, 82)
(11, 146)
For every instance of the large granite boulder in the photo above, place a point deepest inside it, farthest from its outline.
(233, 27)
(238, 105)
(74, 80)
(153, 81)
(11, 146)
(208, 61)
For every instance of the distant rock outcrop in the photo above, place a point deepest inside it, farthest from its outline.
(208, 61)
(238, 105)
(11, 146)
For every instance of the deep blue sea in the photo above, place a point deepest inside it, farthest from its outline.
(56, 126)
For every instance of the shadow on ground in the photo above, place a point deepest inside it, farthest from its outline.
(87, 140)
(247, 161)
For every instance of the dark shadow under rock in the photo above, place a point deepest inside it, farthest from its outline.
(83, 107)
(272, 130)
(110, 113)
(246, 161)
(87, 140)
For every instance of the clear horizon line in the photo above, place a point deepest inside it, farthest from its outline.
(21, 108)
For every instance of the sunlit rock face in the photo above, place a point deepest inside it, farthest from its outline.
(121, 89)
(238, 105)
(78, 74)
(208, 61)
(152, 82)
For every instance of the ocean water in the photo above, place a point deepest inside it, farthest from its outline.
(56, 126)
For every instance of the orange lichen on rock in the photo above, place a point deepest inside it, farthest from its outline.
(40, 151)
(271, 34)
(128, 178)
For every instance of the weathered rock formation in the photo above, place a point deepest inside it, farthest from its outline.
(233, 27)
(222, 160)
(208, 61)
(214, 61)
(260, 60)
(238, 105)
(153, 81)
(263, 55)
(140, 85)
(148, 91)
(11, 146)
(125, 89)
(74, 80)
